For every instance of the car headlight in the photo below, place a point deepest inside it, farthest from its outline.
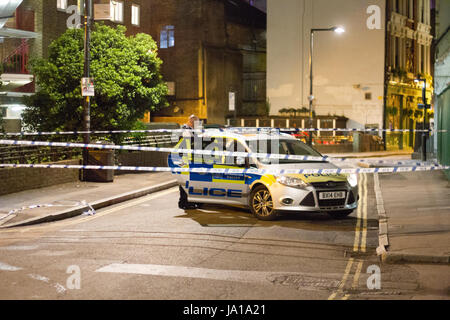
(292, 182)
(352, 180)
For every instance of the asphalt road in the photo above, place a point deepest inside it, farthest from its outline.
(149, 249)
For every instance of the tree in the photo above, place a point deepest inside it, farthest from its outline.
(292, 111)
(126, 72)
(283, 110)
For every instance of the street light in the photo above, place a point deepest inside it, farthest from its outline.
(311, 47)
(425, 107)
(87, 73)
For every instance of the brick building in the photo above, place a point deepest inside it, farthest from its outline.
(209, 48)
(26, 31)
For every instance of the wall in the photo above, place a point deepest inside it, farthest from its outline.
(21, 179)
(442, 83)
(207, 60)
(346, 66)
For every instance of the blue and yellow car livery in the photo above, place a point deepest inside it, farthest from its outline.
(265, 194)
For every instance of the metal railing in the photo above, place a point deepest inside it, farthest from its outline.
(16, 61)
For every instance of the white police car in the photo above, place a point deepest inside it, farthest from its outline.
(264, 194)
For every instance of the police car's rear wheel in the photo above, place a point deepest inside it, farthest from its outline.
(261, 204)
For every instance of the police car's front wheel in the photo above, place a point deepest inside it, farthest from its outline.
(261, 203)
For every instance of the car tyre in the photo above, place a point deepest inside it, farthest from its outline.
(261, 203)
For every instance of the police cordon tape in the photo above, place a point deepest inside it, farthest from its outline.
(234, 171)
(91, 210)
(269, 156)
(238, 129)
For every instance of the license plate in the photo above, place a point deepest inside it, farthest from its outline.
(332, 195)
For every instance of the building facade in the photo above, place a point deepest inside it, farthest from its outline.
(29, 28)
(209, 48)
(347, 68)
(365, 74)
(442, 82)
(408, 57)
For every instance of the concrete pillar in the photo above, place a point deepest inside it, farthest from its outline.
(401, 52)
(303, 123)
(419, 58)
(287, 123)
(394, 50)
(421, 11)
(272, 123)
(228, 122)
(318, 127)
(334, 127)
(242, 122)
(411, 9)
(257, 122)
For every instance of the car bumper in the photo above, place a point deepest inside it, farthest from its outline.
(308, 199)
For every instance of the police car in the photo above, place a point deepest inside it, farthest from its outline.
(265, 194)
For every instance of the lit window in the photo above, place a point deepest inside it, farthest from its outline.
(116, 11)
(135, 12)
(61, 4)
(167, 37)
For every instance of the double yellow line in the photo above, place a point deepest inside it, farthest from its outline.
(359, 243)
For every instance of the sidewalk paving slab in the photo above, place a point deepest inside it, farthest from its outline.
(417, 207)
(66, 200)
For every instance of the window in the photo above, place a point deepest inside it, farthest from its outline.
(135, 14)
(368, 96)
(116, 11)
(171, 88)
(167, 37)
(61, 4)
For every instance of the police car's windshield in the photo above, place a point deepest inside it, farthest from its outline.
(283, 146)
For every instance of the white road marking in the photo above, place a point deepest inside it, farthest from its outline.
(60, 288)
(24, 248)
(39, 277)
(432, 208)
(7, 267)
(261, 277)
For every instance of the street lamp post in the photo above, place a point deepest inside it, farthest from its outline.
(87, 74)
(311, 49)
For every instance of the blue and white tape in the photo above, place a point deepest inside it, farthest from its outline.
(270, 156)
(91, 210)
(237, 129)
(234, 171)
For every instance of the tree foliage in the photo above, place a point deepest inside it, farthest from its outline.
(126, 72)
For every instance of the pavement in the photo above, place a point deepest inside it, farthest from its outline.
(76, 198)
(415, 229)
